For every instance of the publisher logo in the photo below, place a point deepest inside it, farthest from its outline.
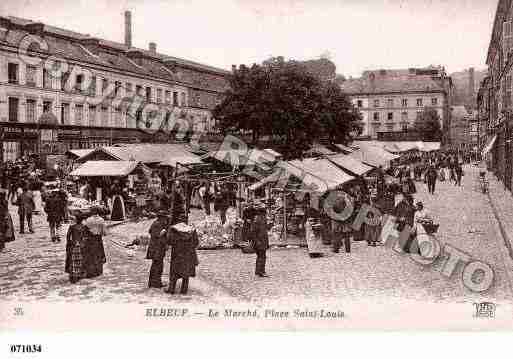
(484, 310)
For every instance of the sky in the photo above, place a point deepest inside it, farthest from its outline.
(357, 35)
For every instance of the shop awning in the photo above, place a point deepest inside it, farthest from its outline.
(241, 157)
(350, 164)
(108, 169)
(430, 146)
(489, 145)
(317, 174)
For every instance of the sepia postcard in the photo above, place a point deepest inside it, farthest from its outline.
(256, 165)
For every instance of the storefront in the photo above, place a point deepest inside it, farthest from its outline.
(23, 139)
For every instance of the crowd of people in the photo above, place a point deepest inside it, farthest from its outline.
(85, 253)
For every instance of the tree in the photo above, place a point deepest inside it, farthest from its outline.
(428, 125)
(284, 100)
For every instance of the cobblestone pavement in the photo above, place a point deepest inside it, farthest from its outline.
(466, 222)
(32, 268)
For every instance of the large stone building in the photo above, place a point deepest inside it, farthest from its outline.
(495, 95)
(60, 90)
(390, 101)
(463, 129)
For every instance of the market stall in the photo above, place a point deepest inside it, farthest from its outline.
(296, 190)
(119, 185)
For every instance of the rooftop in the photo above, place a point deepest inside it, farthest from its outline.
(396, 81)
(74, 46)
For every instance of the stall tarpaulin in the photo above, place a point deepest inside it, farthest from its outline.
(350, 164)
(108, 169)
(374, 156)
(317, 174)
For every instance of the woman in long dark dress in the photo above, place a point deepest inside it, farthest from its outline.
(118, 204)
(184, 259)
(94, 256)
(75, 246)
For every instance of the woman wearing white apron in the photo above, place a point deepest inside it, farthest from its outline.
(427, 244)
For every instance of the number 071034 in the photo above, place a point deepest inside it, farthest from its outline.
(26, 348)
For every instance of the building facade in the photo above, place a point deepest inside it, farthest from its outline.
(495, 95)
(392, 100)
(61, 90)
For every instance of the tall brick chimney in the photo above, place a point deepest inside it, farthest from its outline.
(128, 28)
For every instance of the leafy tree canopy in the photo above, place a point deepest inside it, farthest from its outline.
(428, 125)
(285, 101)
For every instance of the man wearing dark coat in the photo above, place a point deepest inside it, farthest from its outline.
(26, 206)
(431, 176)
(157, 249)
(53, 204)
(260, 242)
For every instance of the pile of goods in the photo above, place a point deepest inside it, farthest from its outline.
(212, 234)
(80, 205)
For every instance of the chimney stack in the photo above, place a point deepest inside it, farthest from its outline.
(153, 47)
(128, 29)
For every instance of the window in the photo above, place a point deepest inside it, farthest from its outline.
(47, 106)
(13, 109)
(434, 101)
(138, 90)
(92, 115)
(79, 114)
(92, 86)
(64, 113)
(117, 87)
(31, 111)
(404, 102)
(79, 80)
(148, 94)
(375, 116)
(376, 103)
(31, 75)
(168, 97)
(47, 79)
(390, 102)
(175, 98)
(12, 72)
(404, 116)
(390, 116)
(419, 102)
(419, 115)
(105, 116)
(118, 117)
(138, 118)
(184, 100)
(105, 84)
(359, 103)
(159, 95)
(404, 126)
(129, 88)
(64, 80)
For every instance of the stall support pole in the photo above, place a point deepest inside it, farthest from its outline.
(284, 216)
(175, 172)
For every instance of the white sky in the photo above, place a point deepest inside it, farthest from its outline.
(359, 34)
